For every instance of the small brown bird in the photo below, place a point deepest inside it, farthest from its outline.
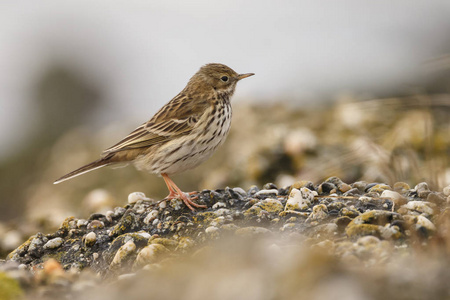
(182, 134)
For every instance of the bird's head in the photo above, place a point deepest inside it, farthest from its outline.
(218, 76)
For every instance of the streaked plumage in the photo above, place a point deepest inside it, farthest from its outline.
(182, 134)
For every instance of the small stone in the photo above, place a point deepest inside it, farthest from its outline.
(344, 187)
(211, 230)
(401, 187)
(327, 188)
(436, 198)
(90, 239)
(352, 192)
(370, 223)
(53, 243)
(446, 190)
(394, 196)
(136, 196)
(253, 190)
(271, 205)
(35, 246)
(421, 207)
(163, 204)
(424, 222)
(95, 224)
(119, 211)
(422, 189)
(420, 224)
(300, 184)
(150, 254)
(299, 199)
(82, 223)
(151, 216)
(218, 205)
(348, 212)
(379, 188)
(270, 186)
(266, 193)
(240, 191)
(360, 185)
(319, 213)
(125, 251)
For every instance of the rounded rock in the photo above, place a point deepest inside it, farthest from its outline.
(299, 199)
(136, 196)
(54, 243)
(150, 254)
(394, 196)
(90, 239)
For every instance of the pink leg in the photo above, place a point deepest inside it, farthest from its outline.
(175, 192)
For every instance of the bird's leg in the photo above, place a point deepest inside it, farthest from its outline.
(175, 192)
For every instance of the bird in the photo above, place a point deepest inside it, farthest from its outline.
(181, 135)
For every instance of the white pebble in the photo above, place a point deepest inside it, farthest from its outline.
(90, 238)
(240, 191)
(424, 222)
(151, 216)
(53, 243)
(81, 223)
(136, 196)
(219, 205)
(267, 192)
(123, 252)
(446, 190)
(420, 206)
(299, 199)
(211, 230)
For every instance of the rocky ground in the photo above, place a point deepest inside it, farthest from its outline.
(328, 241)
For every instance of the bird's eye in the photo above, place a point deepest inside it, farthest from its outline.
(224, 78)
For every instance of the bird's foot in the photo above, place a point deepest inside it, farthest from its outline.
(185, 197)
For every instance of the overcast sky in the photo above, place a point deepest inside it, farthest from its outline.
(141, 53)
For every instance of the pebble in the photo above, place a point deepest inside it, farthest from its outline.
(150, 254)
(82, 223)
(123, 252)
(151, 216)
(211, 230)
(299, 199)
(54, 243)
(421, 207)
(90, 239)
(95, 224)
(394, 196)
(422, 190)
(401, 187)
(446, 190)
(240, 191)
(266, 193)
(319, 213)
(218, 205)
(136, 196)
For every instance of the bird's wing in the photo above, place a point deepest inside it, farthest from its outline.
(176, 118)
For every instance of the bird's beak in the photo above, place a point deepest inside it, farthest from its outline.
(242, 76)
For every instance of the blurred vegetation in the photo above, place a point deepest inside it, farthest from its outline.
(61, 101)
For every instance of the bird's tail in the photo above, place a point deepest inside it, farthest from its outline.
(84, 169)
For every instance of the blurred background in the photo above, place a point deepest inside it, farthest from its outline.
(355, 89)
